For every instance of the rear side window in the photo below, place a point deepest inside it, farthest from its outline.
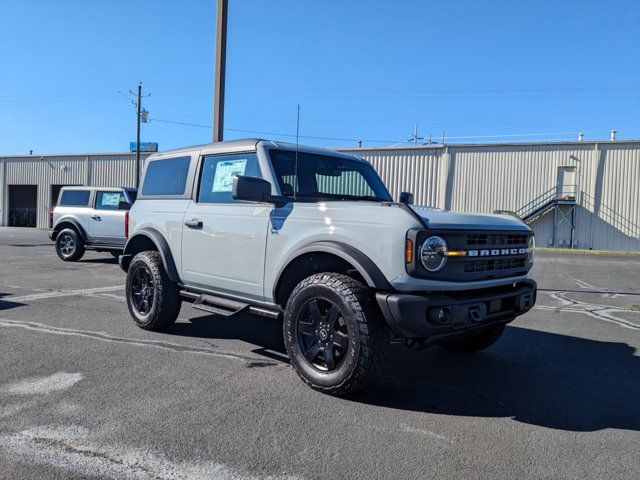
(167, 176)
(216, 179)
(110, 200)
(74, 198)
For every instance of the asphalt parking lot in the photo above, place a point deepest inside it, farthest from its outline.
(84, 393)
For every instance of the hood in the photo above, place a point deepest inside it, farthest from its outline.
(441, 219)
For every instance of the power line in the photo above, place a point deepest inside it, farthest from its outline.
(392, 142)
(279, 134)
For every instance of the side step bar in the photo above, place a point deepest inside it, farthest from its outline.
(224, 306)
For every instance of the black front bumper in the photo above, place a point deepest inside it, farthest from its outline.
(412, 315)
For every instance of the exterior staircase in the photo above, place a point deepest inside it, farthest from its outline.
(543, 204)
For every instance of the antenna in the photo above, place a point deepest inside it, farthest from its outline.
(295, 168)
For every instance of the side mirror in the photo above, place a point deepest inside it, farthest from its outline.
(251, 189)
(124, 206)
(406, 197)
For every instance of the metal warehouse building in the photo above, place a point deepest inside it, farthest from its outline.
(573, 194)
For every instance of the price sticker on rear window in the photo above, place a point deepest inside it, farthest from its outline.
(110, 199)
(225, 171)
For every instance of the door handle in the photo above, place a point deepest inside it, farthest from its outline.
(193, 223)
(96, 217)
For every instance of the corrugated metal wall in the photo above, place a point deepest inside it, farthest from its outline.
(484, 178)
(49, 170)
(471, 178)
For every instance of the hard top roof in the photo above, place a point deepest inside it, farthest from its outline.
(83, 187)
(231, 146)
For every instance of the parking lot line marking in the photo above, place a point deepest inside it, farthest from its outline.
(404, 428)
(604, 313)
(63, 293)
(78, 449)
(42, 385)
(176, 347)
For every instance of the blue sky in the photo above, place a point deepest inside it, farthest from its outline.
(482, 71)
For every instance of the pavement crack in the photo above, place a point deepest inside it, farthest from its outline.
(175, 347)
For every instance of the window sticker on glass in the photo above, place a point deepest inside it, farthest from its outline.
(225, 171)
(110, 199)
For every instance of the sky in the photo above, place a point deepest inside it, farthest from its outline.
(496, 71)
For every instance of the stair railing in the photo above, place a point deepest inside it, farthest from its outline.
(536, 203)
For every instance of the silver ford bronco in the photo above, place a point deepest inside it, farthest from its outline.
(90, 218)
(313, 236)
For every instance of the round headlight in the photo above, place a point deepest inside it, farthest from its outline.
(532, 248)
(433, 253)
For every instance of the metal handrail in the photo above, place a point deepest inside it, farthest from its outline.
(619, 221)
(536, 203)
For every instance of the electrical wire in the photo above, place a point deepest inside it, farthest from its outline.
(391, 142)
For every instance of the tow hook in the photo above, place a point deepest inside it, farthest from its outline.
(474, 314)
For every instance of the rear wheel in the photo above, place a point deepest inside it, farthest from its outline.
(334, 336)
(474, 343)
(153, 299)
(69, 245)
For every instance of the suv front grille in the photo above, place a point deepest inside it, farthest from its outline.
(497, 240)
(494, 265)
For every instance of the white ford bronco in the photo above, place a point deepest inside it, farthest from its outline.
(313, 236)
(90, 218)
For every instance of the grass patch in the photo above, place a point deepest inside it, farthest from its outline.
(585, 251)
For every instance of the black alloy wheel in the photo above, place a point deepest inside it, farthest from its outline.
(323, 335)
(142, 290)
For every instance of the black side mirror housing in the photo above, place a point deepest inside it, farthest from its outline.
(124, 206)
(406, 197)
(254, 189)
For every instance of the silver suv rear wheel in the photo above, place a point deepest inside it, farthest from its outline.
(69, 245)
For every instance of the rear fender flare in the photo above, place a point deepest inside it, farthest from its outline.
(133, 244)
(59, 227)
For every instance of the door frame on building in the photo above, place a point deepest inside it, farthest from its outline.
(11, 220)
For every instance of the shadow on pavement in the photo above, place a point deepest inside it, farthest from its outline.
(7, 304)
(541, 378)
(265, 333)
(107, 260)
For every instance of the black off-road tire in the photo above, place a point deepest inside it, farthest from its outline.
(69, 245)
(165, 304)
(474, 343)
(366, 331)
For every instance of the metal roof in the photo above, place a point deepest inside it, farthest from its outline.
(575, 143)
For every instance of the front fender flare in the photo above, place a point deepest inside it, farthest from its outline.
(366, 267)
(132, 248)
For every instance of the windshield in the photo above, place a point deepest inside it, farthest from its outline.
(326, 177)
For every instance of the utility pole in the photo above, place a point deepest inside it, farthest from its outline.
(141, 116)
(220, 69)
(138, 135)
(415, 135)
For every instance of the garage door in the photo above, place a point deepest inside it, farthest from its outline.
(23, 202)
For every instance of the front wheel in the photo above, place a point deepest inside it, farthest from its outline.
(474, 343)
(333, 333)
(153, 299)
